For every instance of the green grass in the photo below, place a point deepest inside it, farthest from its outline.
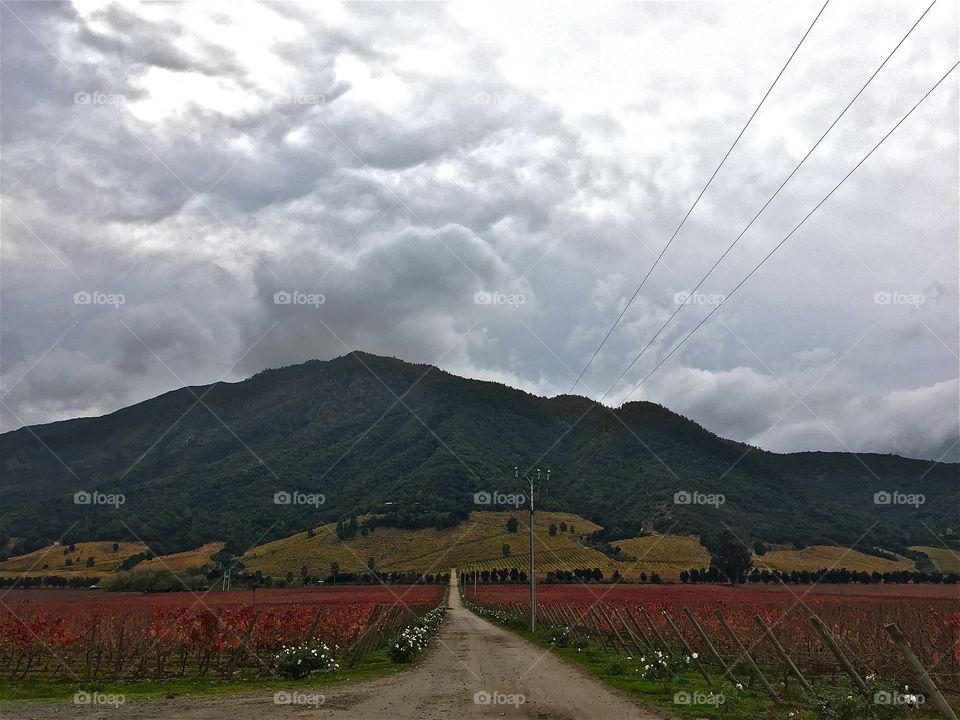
(375, 665)
(737, 705)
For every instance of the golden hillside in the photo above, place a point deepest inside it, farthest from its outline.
(178, 562)
(816, 557)
(52, 560)
(477, 542)
(947, 560)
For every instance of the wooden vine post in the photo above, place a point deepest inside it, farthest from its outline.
(687, 648)
(748, 658)
(768, 633)
(929, 687)
(727, 672)
(838, 653)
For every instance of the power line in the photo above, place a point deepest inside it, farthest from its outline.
(790, 234)
(770, 200)
(697, 201)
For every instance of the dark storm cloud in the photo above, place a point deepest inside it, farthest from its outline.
(411, 163)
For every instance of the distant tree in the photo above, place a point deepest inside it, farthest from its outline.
(505, 550)
(512, 525)
(334, 570)
(289, 577)
(552, 530)
(311, 532)
(116, 547)
(71, 547)
(90, 561)
(573, 530)
(304, 571)
(370, 563)
(759, 548)
(728, 556)
(684, 576)
(643, 577)
(563, 526)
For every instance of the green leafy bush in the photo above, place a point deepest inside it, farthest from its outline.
(299, 661)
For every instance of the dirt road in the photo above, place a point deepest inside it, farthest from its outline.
(473, 669)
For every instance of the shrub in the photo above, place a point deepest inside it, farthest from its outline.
(849, 704)
(616, 666)
(414, 638)
(299, 661)
(663, 668)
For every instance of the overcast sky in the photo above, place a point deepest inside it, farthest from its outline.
(190, 162)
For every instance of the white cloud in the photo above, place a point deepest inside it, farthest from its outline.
(399, 161)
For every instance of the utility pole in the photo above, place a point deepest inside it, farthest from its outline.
(532, 478)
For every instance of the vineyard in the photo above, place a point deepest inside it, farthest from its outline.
(49, 635)
(750, 634)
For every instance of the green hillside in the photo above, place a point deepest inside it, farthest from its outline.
(195, 472)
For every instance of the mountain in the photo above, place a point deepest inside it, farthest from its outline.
(376, 434)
